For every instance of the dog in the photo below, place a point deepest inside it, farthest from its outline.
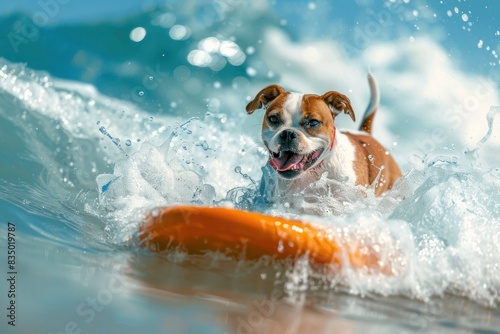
(299, 133)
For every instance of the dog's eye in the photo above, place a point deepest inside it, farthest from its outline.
(313, 123)
(273, 119)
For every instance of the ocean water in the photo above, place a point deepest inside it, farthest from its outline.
(103, 120)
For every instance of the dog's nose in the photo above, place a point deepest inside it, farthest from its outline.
(288, 135)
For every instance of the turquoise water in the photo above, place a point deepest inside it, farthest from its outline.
(149, 104)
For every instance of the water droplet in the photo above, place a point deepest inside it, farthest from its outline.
(370, 157)
(137, 34)
(138, 140)
(98, 122)
(141, 93)
(217, 85)
(128, 142)
(179, 32)
(263, 276)
(465, 18)
(281, 248)
(151, 118)
(251, 71)
(237, 169)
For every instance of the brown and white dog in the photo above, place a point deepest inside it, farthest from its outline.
(303, 143)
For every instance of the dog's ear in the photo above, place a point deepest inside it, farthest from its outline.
(264, 97)
(338, 103)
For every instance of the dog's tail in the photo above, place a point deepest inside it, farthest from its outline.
(366, 123)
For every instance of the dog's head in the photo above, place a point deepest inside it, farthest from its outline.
(298, 129)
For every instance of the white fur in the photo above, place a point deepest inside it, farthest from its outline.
(340, 164)
(293, 110)
(356, 132)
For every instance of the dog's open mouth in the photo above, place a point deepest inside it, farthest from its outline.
(285, 161)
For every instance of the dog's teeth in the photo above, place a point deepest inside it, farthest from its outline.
(280, 154)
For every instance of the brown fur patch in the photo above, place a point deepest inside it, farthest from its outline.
(275, 106)
(370, 157)
(313, 107)
(265, 96)
(339, 102)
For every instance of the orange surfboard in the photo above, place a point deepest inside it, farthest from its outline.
(248, 235)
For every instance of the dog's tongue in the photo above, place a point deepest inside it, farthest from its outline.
(286, 161)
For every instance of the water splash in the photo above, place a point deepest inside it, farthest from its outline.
(490, 117)
(114, 140)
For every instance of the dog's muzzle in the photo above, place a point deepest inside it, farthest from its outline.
(288, 161)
